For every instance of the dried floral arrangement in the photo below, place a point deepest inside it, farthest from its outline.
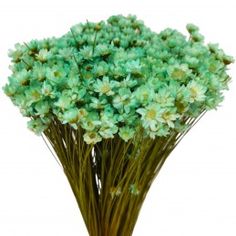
(113, 99)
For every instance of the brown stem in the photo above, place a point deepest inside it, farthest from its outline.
(110, 179)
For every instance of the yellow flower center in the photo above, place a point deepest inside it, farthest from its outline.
(92, 135)
(56, 74)
(35, 94)
(194, 92)
(166, 116)
(151, 114)
(105, 88)
(178, 74)
(145, 95)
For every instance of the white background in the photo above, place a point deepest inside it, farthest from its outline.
(195, 192)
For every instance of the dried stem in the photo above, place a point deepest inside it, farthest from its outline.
(102, 175)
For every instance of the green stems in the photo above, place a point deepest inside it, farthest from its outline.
(110, 179)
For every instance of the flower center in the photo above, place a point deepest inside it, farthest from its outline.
(178, 74)
(92, 135)
(194, 92)
(105, 88)
(151, 114)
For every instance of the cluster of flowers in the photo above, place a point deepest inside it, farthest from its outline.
(112, 77)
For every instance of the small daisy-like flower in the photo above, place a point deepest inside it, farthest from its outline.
(126, 133)
(192, 28)
(71, 116)
(168, 116)
(164, 97)
(144, 94)
(105, 86)
(37, 126)
(43, 55)
(197, 91)
(33, 94)
(66, 53)
(124, 101)
(56, 74)
(191, 61)
(87, 52)
(64, 102)
(98, 103)
(20, 78)
(92, 137)
(133, 67)
(77, 29)
(128, 82)
(179, 72)
(39, 72)
(100, 69)
(151, 115)
(10, 89)
(108, 131)
(42, 108)
(82, 113)
(102, 50)
(17, 54)
(47, 90)
(90, 120)
(197, 37)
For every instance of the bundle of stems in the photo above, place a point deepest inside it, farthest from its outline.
(111, 179)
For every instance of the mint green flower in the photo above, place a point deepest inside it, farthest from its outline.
(71, 116)
(17, 54)
(82, 113)
(144, 94)
(66, 53)
(168, 116)
(102, 50)
(98, 103)
(197, 37)
(124, 100)
(10, 90)
(33, 94)
(21, 78)
(56, 75)
(37, 126)
(126, 133)
(197, 91)
(191, 61)
(101, 69)
(105, 86)
(128, 82)
(92, 137)
(164, 97)
(42, 108)
(39, 72)
(43, 55)
(192, 28)
(133, 67)
(179, 72)
(182, 100)
(108, 131)
(64, 102)
(89, 120)
(151, 115)
(47, 90)
(87, 52)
